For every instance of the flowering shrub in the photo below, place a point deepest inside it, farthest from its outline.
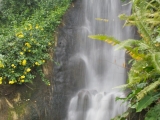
(24, 46)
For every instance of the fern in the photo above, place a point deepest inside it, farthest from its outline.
(147, 89)
(155, 59)
(121, 117)
(125, 45)
(108, 39)
(146, 101)
(100, 19)
(133, 43)
(153, 113)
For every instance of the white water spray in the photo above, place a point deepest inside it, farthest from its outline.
(104, 67)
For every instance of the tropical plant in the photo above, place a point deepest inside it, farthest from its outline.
(26, 37)
(144, 74)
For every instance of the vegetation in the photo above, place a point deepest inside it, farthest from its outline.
(26, 37)
(144, 75)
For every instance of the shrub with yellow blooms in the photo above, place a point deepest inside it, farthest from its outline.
(26, 37)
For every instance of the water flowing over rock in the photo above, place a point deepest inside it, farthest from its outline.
(92, 67)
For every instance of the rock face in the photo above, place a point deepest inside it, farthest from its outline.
(65, 78)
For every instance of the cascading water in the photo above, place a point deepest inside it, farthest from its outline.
(103, 67)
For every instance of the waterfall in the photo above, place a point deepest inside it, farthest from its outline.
(103, 68)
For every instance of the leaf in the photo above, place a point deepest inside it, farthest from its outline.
(98, 37)
(134, 53)
(145, 102)
(158, 39)
(155, 59)
(108, 39)
(121, 117)
(1, 56)
(100, 19)
(147, 89)
(128, 43)
(121, 86)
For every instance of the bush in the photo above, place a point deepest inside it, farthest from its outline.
(26, 36)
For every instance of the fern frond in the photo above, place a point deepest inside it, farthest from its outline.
(145, 34)
(108, 39)
(121, 87)
(135, 48)
(100, 19)
(128, 43)
(140, 72)
(134, 53)
(147, 89)
(155, 60)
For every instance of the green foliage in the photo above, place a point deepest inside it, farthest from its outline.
(153, 113)
(104, 38)
(144, 75)
(147, 89)
(26, 37)
(146, 101)
(155, 59)
(121, 117)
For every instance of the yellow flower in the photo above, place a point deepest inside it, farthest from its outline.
(37, 26)
(28, 45)
(43, 60)
(1, 80)
(22, 81)
(21, 53)
(22, 76)
(11, 82)
(29, 50)
(12, 65)
(24, 62)
(28, 70)
(30, 27)
(49, 44)
(36, 63)
(1, 65)
(19, 35)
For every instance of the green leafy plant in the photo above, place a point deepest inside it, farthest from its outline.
(26, 37)
(144, 74)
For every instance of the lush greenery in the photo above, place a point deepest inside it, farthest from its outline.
(27, 37)
(144, 75)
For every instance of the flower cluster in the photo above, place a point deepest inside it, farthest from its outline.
(32, 52)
